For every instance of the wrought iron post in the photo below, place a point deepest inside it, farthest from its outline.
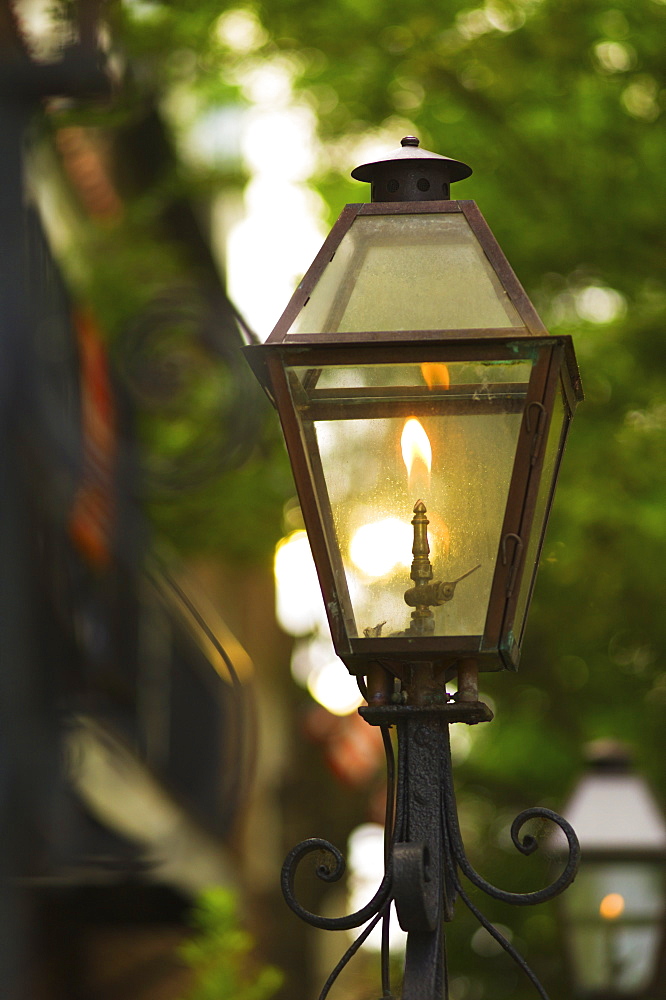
(425, 855)
(423, 899)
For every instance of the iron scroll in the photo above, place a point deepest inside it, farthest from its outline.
(424, 887)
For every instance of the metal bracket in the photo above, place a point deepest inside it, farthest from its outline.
(515, 560)
(414, 893)
(470, 712)
(538, 429)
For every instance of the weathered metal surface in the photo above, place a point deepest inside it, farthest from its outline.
(425, 859)
(436, 592)
(410, 173)
(422, 900)
(470, 713)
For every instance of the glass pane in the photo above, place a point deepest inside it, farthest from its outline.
(414, 272)
(430, 377)
(391, 435)
(558, 426)
(639, 886)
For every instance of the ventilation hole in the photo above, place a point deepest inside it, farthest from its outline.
(445, 188)
(392, 186)
(423, 184)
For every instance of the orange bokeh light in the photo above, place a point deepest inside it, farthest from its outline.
(611, 906)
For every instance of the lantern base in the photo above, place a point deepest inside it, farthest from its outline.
(453, 711)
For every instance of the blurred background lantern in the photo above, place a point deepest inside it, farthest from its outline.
(614, 913)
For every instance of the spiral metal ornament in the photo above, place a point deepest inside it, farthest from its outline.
(528, 845)
(184, 373)
(429, 830)
(328, 872)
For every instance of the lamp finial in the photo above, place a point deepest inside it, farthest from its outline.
(411, 173)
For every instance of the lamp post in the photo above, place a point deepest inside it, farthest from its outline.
(615, 915)
(425, 409)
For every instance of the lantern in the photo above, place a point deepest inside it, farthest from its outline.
(614, 913)
(425, 409)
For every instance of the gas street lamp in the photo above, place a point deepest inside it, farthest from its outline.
(425, 409)
(615, 914)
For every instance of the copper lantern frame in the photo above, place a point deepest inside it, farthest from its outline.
(554, 373)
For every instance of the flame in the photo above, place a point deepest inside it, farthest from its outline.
(611, 906)
(435, 373)
(416, 454)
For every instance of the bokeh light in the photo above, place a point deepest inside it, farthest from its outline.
(378, 548)
(611, 906)
(298, 605)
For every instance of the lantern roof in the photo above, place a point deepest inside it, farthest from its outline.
(612, 808)
(410, 271)
(410, 153)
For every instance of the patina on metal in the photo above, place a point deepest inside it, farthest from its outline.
(423, 620)
(426, 594)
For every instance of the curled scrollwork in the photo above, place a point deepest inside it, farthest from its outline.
(330, 868)
(527, 845)
(405, 817)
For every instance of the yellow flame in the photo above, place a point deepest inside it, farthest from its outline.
(435, 373)
(416, 453)
(611, 906)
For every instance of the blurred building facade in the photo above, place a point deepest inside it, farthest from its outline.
(127, 721)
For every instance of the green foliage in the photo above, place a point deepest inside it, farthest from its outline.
(220, 954)
(237, 514)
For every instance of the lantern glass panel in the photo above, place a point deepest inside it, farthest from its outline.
(553, 453)
(389, 435)
(615, 912)
(408, 272)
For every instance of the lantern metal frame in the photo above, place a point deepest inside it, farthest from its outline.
(555, 370)
(405, 677)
